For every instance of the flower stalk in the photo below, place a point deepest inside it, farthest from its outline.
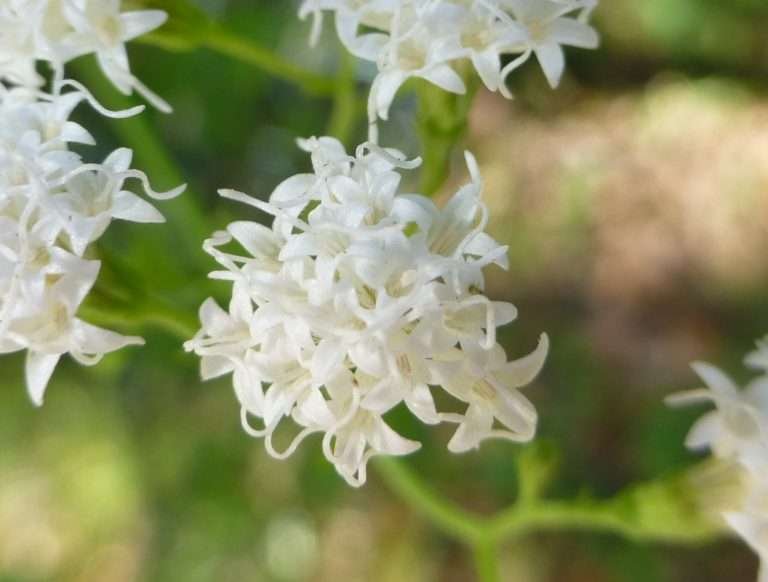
(222, 41)
(662, 510)
(485, 553)
(348, 108)
(442, 122)
(198, 31)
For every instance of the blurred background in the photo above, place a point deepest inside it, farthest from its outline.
(635, 204)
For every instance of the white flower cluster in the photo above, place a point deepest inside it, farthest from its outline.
(360, 298)
(427, 38)
(53, 204)
(58, 31)
(737, 432)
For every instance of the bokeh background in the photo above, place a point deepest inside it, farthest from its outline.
(635, 204)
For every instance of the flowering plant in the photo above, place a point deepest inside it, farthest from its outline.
(428, 39)
(348, 293)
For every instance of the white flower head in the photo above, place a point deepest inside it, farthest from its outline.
(359, 299)
(427, 38)
(58, 31)
(738, 428)
(53, 206)
(737, 434)
(50, 328)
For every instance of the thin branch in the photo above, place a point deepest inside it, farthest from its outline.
(485, 552)
(443, 514)
(663, 511)
(221, 40)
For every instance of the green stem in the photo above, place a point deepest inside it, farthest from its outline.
(443, 514)
(347, 107)
(442, 123)
(190, 27)
(226, 43)
(135, 319)
(218, 39)
(485, 552)
(664, 510)
(595, 516)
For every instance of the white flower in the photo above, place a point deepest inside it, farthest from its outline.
(427, 38)
(89, 200)
(737, 434)
(729, 494)
(546, 31)
(359, 299)
(53, 206)
(57, 31)
(738, 428)
(360, 438)
(753, 529)
(488, 383)
(18, 54)
(99, 27)
(228, 333)
(759, 358)
(416, 54)
(750, 520)
(47, 326)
